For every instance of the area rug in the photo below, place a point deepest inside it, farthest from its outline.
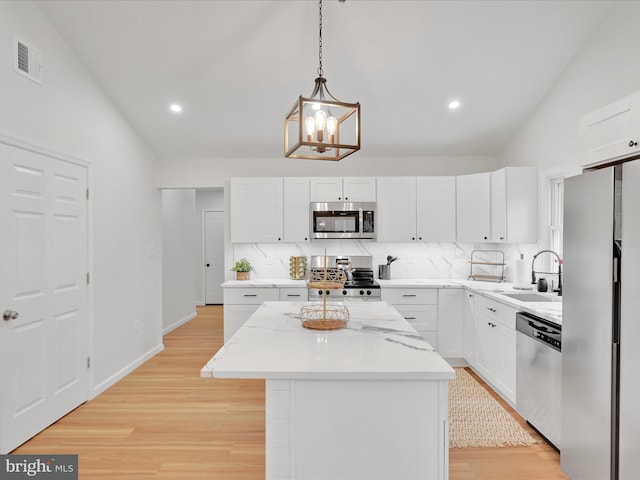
(476, 419)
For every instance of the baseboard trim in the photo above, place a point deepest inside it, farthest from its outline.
(179, 323)
(119, 375)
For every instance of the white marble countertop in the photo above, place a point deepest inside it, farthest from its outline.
(551, 311)
(378, 343)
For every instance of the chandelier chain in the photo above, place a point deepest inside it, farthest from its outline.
(320, 71)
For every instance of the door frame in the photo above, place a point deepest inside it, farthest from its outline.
(31, 147)
(203, 253)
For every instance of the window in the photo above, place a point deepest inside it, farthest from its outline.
(556, 203)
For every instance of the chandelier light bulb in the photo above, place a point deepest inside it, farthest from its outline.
(321, 119)
(332, 128)
(310, 126)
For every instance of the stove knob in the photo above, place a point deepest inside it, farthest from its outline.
(361, 292)
(320, 292)
(327, 292)
(344, 292)
(368, 292)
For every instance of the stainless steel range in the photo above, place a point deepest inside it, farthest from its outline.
(359, 271)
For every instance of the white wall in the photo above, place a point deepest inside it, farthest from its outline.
(206, 200)
(178, 257)
(605, 69)
(70, 114)
(206, 173)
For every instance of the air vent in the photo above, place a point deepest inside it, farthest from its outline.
(28, 61)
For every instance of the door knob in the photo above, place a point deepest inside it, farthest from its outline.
(9, 315)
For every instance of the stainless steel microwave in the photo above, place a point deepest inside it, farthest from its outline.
(343, 220)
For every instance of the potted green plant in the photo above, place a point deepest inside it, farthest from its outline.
(242, 269)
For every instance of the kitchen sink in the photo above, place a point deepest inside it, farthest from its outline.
(532, 297)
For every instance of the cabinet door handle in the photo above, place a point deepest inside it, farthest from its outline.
(409, 295)
(410, 318)
(492, 309)
(250, 295)
(293, 295)
(486, 237)
(633, 143)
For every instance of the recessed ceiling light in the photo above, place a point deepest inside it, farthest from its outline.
(454, 104)
(175, 108)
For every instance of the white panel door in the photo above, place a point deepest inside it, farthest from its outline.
(44, 351)
(213, 257)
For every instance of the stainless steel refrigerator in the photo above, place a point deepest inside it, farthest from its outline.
(600, 423)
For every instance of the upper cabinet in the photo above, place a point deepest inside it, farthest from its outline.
(343, 189)
(436, 209)
(396, 209)
(498, 207)
(473, 206)
(269, 209)
(414, 209)
(611, 132)
(296, 209)
(256, 207)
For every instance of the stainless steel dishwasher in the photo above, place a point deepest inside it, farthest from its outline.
(539, 374)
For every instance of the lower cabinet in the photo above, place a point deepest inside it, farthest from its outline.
(241, 303)
(495, 345)
(450, 326)
(419, 307)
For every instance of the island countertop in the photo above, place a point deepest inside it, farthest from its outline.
(378, 343)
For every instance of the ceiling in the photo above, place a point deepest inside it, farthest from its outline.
(237, 67)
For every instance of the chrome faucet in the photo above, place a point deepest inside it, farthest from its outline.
(559, 272)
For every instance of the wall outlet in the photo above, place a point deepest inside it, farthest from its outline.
(136, 326)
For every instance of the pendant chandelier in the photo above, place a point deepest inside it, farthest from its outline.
(321, 127)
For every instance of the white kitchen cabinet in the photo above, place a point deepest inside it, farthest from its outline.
(241, 303)
(436, 209)
(419, 306)
(450, 324)
(473, 207)
(498, 207)
(514, 205)
(294, 294)
(495, 345)
(343, 189)
(256, 210)
(611, 132)
(468, 324)
(296, 209)
(359, 189)
(396, 209)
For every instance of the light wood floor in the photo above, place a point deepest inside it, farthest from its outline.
(164, 422)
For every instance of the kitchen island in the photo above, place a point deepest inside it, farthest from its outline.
(365, 402)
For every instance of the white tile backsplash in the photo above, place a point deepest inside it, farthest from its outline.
(415, 260)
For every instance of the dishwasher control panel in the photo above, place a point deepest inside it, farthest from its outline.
(539, 329)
